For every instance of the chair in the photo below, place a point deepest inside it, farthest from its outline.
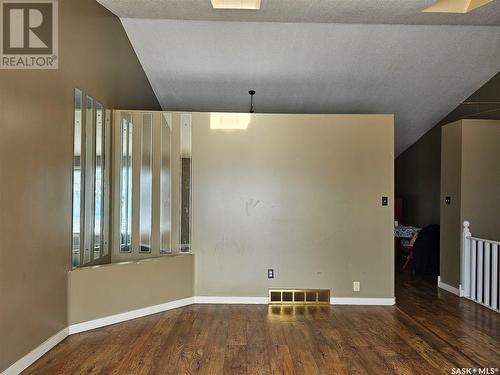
(408, 249)
(426, 251)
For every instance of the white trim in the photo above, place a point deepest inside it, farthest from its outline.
(449, 288)
(36, 353)
(232, 300)
(117, 318)
(363, 301)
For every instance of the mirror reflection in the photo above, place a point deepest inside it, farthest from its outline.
(126, 183)
(77, 178)
(165, 181)
(122, 183)
(185, 171)
(90, 180)
(146, 183)
(99, 180)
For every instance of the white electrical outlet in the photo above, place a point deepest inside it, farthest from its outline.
(356, 286)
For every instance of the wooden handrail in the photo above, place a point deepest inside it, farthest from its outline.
(482, 239)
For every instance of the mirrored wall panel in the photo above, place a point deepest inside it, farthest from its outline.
(106, 183)
(142, 203)
(126, 183)
(89, 178)
(165, 181)
(146, 181)
(185, 182)
(90, 218)
(77, 178)
(99, 180)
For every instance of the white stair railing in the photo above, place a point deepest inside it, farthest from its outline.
(480, 269)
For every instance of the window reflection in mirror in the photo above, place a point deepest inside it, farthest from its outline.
(99, 180)
(77, 178)
(185, 180)
(146, 183)
(106, 186)
(126, 183)
(88, 179)
(165, 191)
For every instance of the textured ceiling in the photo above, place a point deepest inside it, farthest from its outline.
(483, 104)
(324, 11)
(418, 73)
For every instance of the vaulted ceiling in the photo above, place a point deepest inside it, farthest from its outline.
(408, 12)
(338, 56)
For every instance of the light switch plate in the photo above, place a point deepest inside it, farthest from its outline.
(356, 286)
(270, 273)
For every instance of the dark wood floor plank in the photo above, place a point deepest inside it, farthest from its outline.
(235, 360)
(429, 332)
(281, 362)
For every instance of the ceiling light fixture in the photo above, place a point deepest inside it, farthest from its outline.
(229, 121)
(236, 4)
(252, 106)
(456, 6)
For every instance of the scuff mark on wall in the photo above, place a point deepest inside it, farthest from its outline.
(251, 205)
(226, 243)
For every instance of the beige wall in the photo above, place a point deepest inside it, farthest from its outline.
(417, 169)
(471, 176)
(481, 177)
(116, 288)
(418, 179)
(297, 193)
(451, 159)
(36, 163)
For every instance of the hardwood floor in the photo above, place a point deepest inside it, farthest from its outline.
(429, 332)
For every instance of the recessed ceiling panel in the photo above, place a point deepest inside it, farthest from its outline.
(456, 6)
(236, 4)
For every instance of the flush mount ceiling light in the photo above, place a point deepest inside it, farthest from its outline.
(229, 121)
(236, 4)
(456, 6)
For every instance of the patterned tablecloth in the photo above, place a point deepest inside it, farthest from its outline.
(403, 231)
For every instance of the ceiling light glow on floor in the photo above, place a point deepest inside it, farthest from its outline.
(456, 6)
(229, 121)
(236, 4)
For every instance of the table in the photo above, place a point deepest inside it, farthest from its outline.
(406, 234)
(404, 231)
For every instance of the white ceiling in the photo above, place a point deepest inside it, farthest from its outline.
(329, 11)
(419, 73)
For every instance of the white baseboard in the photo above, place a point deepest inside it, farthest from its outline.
(231, 300)
(449, 288)
(36, 353)
(363, 301)
(117, 318)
